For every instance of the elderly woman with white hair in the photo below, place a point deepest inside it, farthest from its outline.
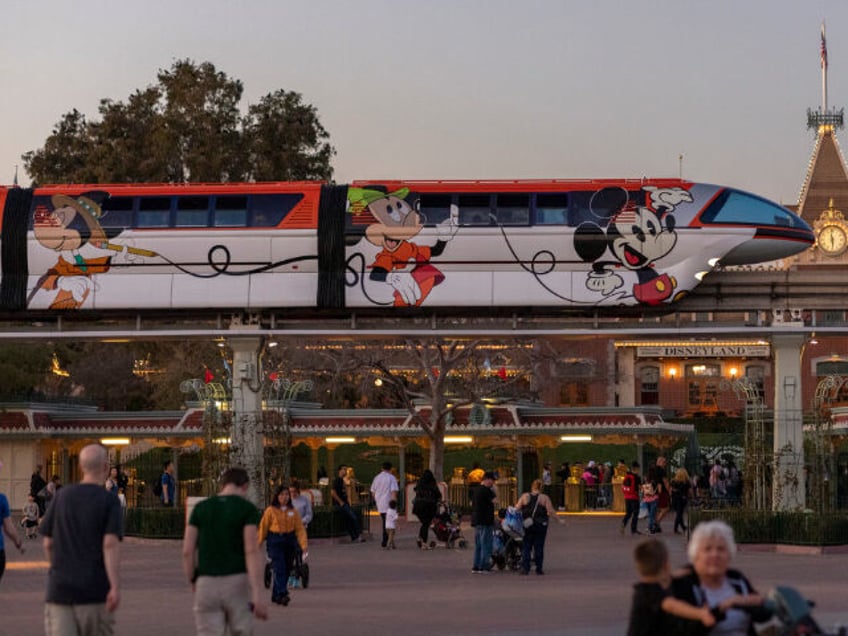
(710, 579)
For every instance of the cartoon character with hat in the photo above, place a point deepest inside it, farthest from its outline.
(71, 224)
(397, 223)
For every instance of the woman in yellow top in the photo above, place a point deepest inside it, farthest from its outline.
(282, 527)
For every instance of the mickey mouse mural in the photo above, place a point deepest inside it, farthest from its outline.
(622, 233)
(403, 265)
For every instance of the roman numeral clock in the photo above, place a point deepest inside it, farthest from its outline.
(831, 232)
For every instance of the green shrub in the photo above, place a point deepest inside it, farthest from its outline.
(169, 523)
(155, 523)
(791, 528)
(327, 521)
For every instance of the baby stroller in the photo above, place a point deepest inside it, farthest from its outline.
(508, 538)
(445, 526)
(299, 575)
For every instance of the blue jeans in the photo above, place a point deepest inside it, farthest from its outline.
(483, 536)
(534, 541)
(351, 523)
(281, 549)
(652, 514)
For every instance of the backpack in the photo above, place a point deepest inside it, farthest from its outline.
(628, 486)
(157, 487)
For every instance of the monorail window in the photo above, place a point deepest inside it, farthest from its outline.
(552, 208)
(732, 206)
(474, 209)
(192, 212)
(513, 209)
(117, 212)
(154, 212)
(268, 210)
(230, 211)
(434, 208)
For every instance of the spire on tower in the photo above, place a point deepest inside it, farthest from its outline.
(824, 119)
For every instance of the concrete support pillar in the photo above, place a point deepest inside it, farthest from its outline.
(402, 467)
(788, 484)
(247, 449)
(625, 387)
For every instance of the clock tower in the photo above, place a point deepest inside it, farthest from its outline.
(831, 232)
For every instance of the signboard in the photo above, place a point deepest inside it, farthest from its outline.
(703, 351)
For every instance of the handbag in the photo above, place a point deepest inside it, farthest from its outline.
(643, 510)
(529, 521)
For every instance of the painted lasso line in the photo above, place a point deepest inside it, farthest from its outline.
(221, 267)
(359, 278)
(537, 273)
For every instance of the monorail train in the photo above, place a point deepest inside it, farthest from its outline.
(567, 243)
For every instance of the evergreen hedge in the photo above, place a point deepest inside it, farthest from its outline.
(790, 528)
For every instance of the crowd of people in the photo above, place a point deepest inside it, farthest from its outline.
(223, 557)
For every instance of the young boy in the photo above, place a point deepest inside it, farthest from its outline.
(650, 603)
(30, 519)
(391, 523)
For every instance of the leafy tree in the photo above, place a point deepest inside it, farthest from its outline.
(24, 370)
(286, 140)
(431, 378)
(105, 375)
(187, 127)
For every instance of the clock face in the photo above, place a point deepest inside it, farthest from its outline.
(832, 239)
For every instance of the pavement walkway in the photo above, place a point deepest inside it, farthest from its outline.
(363, 589)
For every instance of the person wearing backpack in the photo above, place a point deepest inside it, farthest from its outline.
(537, 510)
(630, 488)
(167, 485)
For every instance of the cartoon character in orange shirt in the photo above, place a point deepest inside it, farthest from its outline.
(71, 224)
(402, 264)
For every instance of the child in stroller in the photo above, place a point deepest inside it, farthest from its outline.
(446, 528)
(508, 540)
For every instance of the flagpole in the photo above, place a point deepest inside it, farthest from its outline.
(824, 68)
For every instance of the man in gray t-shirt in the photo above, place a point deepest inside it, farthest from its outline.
(82, 530)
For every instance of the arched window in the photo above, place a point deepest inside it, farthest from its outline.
(649, 379)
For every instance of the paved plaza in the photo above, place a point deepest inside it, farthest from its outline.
(363, 589)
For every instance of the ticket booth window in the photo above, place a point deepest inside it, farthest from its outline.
(575, 393)
(649, 378)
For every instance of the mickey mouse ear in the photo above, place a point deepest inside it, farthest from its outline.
(607, 201)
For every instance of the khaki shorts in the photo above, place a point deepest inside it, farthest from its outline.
(72, 620)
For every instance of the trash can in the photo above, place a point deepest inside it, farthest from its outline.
(618, 504)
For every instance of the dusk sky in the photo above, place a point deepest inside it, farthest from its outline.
(465, 89)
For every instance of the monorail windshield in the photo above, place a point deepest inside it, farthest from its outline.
(734, 207)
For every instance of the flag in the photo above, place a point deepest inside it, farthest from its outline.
(823, 49)
(208, 376)
(273, 376)
(502, 373)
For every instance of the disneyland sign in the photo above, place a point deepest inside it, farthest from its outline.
(703, 351)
